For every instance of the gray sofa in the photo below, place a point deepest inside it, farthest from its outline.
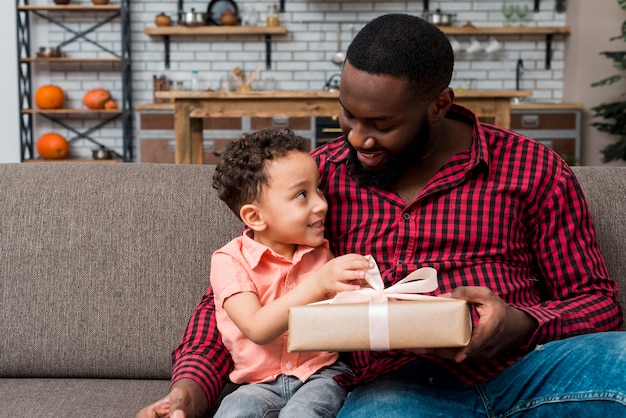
(101, 265)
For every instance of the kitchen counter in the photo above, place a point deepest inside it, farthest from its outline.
(190, 107)
(546, 106)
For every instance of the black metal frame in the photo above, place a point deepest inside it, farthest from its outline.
(25, 79)
(27, 147)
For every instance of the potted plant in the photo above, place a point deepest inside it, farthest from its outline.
(614, 111)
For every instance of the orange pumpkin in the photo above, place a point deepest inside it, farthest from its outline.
(52, 146)
(96, 98)
(110, 104)
(49, 97)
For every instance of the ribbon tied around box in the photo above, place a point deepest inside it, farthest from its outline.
(422, 280)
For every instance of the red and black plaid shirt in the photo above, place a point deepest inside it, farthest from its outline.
(507, 214)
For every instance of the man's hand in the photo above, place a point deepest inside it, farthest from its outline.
(159, 409)
(500, 327)
(185, 400)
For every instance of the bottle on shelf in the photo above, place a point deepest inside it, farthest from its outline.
(272, 15)
(195, 81)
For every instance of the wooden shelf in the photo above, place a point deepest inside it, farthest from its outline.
(69, 111)
(71, 60)
(507, 30)
(547, 31)
(72, 8)
(167, 31)
(215, 30)
(73, 160)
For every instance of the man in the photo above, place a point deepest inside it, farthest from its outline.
(418, 181)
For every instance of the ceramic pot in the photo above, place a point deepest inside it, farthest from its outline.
(61, 2)
(229, 18)
(100, 2)
(162, 20)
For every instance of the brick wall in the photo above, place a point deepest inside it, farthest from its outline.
(301, 60)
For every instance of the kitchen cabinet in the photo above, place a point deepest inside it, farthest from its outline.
(85, 20)
(556, 125)
(167, 31)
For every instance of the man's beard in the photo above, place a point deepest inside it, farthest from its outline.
(397, 164)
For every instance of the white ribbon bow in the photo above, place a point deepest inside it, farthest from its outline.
(422, 280)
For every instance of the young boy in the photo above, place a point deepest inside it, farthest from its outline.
(281, 260)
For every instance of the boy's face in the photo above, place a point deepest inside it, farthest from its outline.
(292, 205)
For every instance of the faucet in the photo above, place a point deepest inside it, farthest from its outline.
(519, 69)
(332, 84)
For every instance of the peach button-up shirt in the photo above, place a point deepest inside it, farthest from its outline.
(244, 265)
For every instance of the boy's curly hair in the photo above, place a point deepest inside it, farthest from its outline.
(240, 175)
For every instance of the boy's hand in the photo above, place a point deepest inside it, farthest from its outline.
(346, 272)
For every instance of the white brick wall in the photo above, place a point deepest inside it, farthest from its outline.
(301, 59)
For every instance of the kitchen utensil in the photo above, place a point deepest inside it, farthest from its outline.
(474, 46)
(508, 10)
(238, 76)
(49, 52)
(217, 7)
(192, 18)
(101, 154)
(251, 78)
(236, 81)
(494, 46)
(229, 18)
(338, 57)
(456, 45)
(521, 10)
(162, 20)
(440, 19)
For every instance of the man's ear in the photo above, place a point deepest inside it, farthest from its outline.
(442, 103)
(251, 216)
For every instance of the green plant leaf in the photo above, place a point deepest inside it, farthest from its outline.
(615, 111)
(616, 56)
(615, 151)
(607, 81)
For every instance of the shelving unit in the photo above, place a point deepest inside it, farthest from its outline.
(167, 31)
(549, 33)
(26, 60)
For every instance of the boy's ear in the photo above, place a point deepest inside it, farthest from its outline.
(251, 216)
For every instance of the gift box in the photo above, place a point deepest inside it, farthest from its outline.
(382, 319)
(411, 324)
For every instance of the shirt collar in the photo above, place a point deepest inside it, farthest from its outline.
(254, 252)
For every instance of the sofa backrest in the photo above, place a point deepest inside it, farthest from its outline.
(101, 265)
(605, 188)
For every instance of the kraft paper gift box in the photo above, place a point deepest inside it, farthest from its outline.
(382, 319)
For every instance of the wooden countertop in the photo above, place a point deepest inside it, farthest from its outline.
(464, 94)
(519, 106)
(547, 106)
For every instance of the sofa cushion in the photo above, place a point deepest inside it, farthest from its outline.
(78, 398)
(101, 265)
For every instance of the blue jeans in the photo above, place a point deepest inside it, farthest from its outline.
(287, 396)
(583, 376)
